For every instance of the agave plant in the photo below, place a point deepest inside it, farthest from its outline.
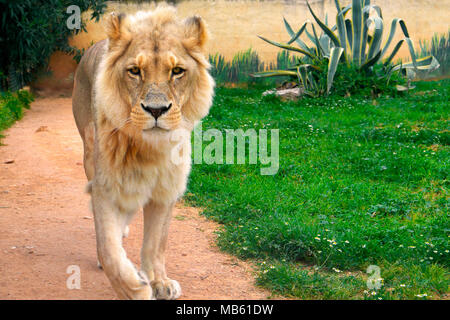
(351, 41)
(439, 47)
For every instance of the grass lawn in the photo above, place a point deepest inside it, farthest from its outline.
(361, 182)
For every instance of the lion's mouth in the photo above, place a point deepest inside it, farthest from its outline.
(155, 129)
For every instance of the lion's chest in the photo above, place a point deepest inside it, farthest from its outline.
(163, 183)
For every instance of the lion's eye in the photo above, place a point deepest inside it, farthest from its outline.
(177, 71)
(135, 71)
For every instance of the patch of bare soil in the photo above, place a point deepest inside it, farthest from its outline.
(46, 225)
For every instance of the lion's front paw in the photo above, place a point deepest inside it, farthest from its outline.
(166, 289)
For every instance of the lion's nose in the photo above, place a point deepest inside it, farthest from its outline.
(156, 111)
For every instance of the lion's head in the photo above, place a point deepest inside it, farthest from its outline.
(154, 76)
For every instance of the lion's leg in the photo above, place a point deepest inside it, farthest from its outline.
(88, 146)
(125, 279)
(125, 231)
(156, 227)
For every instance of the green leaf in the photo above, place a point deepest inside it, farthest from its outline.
(371, 61)
(394, 52)
(365, 31)
(273, 73)
(357, 20)
(349, 29)
(303, 76)
(287, 47)
(368, 7)
(335, 55)
(298, 34)
(326, 44)
(342, 31)
(392, 33)
(325, 29)
(293, 34)
(320, 50)
(338, 6)
(375, 42)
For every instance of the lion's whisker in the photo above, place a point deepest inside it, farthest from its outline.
(115, 130)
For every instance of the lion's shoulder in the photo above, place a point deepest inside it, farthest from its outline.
(88, 66)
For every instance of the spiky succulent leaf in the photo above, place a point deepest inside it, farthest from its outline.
(392, 33)
(324, 27)
(333, 62)
(287, 47)
(375, 41)
(357, 28)
(294, 36)
(273, 73)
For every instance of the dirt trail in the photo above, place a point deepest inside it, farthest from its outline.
(46, 226)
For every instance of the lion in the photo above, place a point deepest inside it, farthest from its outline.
(137, 96)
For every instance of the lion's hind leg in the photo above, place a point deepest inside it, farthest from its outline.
(88, 146)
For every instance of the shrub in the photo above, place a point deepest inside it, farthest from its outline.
(351, 46)
(11, 107)
(31, 30)
(243, 64)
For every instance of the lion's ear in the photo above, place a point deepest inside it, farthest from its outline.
(196, 32)
(114, 25)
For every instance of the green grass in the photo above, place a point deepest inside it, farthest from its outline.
(361, 182)
(11, 107)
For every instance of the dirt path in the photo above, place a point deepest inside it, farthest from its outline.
(46, 226)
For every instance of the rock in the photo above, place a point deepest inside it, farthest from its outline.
(288, 94)
(287, 85)
(8, 161)
(42, 128)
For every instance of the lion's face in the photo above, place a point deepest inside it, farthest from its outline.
(155, 73)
